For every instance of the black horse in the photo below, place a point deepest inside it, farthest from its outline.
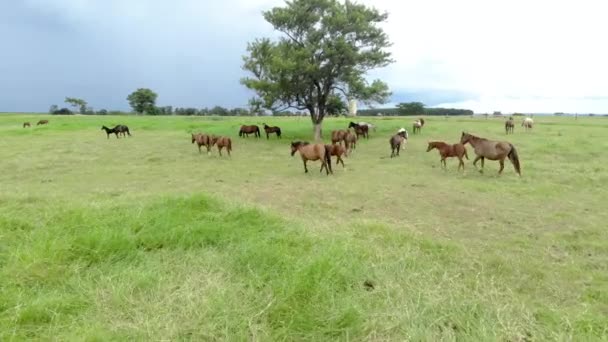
(272, 129)
(119, 129)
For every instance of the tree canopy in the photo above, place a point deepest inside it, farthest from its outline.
(143, 100)
(326, 49)
(77, 103)
(411, 108)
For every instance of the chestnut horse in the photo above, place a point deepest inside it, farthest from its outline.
(202, 140)
(360, 129)
(339, 136)
(222, 142)
(272, 129)
(338, 151)
(351, 142)
(313, 152)
(26, 124)
(509, 126)
(42, 122)
(246, 130)
(449, 151)
(396, 141)
(492, 150)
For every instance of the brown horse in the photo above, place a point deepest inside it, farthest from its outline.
(26, 124)
(396, 141)
(222, 142)
(449, 151)
(246, 130)
(339, 136)
(351, 142)
(43, 122)
(421, 120)
(202, 140)
(510, 126)
(338, 151)
(272, 129)
(492, 150)
(313, 152)
(360, 129)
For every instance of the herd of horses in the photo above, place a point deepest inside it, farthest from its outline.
(344, 142)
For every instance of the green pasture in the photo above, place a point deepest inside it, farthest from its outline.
(143, 238)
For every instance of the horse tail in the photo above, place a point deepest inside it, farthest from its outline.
(279, 132)
(466, 155)
(514, 158)
(229, 147)
(328, 157)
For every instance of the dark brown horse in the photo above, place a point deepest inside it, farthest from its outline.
(421, 120)
(222, 142)
(510, 126)
(272, 129)
(339, 136)
(396, 141)
(449, 151)
(246, 130)
(313, 152)
(337, 150)
(492, 150)
(26, 124)
(43, 122)
(202, 140)
(360, 130)
(119, 129)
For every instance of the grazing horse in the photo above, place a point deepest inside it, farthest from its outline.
(492, 150)
(338, 151)
(351, 142)
(272, 129)
(527, 123)
(449, 151)
(119, 129)
(510, 126)
(202, 140)
(246, 130)
(339, 136)
(26, 124)
(396, 141)
(222, 142)
(417, 126)
(359, 130)
(43, 122)
(313, 152)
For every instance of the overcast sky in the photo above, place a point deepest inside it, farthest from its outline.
(485, 55)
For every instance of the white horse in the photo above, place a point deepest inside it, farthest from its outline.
(528, 123)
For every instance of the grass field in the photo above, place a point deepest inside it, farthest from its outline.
(145, 239)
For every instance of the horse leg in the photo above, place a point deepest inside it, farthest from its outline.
(475, 162)
(341, 161)
(483, 159)
(502, 166)
(305, 167)
(219, 148)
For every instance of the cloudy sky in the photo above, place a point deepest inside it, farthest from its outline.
(486, 55)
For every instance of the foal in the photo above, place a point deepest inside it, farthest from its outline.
(351, 142)
(339, 136)
(449, 151)
(222, 142)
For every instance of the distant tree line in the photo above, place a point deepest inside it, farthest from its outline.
(413, 108)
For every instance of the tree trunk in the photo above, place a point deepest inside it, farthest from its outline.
(317, 132)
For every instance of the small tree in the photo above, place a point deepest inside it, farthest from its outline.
(53, 109)
(327, 48)
(411, 108)
(77, 103)
(143, 100)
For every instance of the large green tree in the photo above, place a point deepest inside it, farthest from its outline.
(411, 108)
(326, 47)
(143, 100)
(77, 103)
